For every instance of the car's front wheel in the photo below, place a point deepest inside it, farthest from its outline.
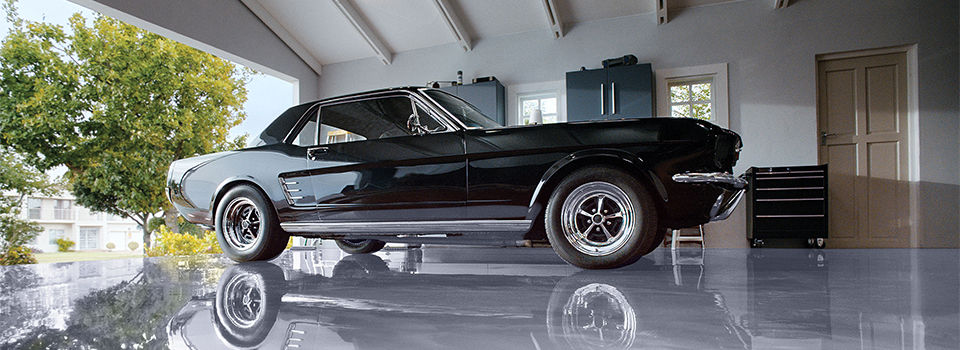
(360, 246)
(247, 303)
(247, 226)
(600, 218)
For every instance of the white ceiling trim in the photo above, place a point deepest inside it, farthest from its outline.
(781, 3)
(453, 23)
(353, 16)
(257, 8)
(661, 6)
(553, 18)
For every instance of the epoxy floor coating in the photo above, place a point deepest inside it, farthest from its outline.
(491, 298)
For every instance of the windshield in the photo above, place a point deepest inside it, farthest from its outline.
(465, 112)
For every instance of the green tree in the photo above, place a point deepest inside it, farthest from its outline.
(17, 180)
(115, 105)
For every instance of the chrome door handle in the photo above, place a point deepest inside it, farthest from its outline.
(613, 96)
(603, 100)
(314, 153)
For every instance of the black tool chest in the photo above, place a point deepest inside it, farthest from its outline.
(787, 202)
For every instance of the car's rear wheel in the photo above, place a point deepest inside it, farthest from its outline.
(247, 226)
(601, 217)
(360, 246)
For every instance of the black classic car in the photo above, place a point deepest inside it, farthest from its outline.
(418, 165)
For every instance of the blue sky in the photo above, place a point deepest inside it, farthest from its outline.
(267, 96)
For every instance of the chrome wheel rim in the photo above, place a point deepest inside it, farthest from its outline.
(597, 218)
(242, 224)
(244, 300)
(599, 316)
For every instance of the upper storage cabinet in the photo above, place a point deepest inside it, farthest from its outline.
(610, 93)
(487, 96)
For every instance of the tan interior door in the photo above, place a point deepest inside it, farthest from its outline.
(862, 122)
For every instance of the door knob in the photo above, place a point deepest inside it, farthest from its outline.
(824, 135)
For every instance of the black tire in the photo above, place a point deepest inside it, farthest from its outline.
(643, 238)
(271, 239)
(360, 246)
(359, 266)
(247, 326)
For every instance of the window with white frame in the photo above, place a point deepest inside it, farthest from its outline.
(546, 102)
(694, 92)
(34, 205)
(53, 235)
(89, 238)
(691, 98)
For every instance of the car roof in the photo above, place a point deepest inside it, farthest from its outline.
(411, 89)
(277, 131)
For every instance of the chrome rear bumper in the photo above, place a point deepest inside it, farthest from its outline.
(738, 182)
(725, 204)
(735, 187)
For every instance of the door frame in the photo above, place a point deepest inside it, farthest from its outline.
(913, 118)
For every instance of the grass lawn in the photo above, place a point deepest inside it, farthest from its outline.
(83, 256)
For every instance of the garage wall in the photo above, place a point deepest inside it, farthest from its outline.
(772, 73)
(225, 28)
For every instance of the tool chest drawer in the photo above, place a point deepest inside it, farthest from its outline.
(787, 202)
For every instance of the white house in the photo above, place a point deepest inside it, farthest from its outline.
(61, 217)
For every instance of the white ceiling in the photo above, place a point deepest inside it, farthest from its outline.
(322, 30)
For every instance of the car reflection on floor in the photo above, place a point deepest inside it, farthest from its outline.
(371, 303)
(490, 298)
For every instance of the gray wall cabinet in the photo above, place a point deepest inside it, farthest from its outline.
(488, 96)
(610, 93)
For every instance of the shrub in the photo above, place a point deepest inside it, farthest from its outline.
(169, 243)
(64, 245)
(133, 246)
(111, 246)
(185, 226)
(16, 255)
(210, 240)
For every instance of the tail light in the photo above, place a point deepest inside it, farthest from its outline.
(728, 146)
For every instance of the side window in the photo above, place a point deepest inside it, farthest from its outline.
(369, 120)
(308, 134)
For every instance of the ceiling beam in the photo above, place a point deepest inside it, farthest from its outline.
(661, 11)
(353, 16)
(301, 51)
(553, 18)
(453, 23)
(781, 3)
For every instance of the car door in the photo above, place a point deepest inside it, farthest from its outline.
(372, 162)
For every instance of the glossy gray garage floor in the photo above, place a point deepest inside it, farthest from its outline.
(491, 298)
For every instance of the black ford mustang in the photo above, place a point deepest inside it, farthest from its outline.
(419, 165)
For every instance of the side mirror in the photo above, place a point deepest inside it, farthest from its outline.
(413, 123)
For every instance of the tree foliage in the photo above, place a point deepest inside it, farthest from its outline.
(17, 180)
(133, 314)
(115, 105)
(691, 100)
